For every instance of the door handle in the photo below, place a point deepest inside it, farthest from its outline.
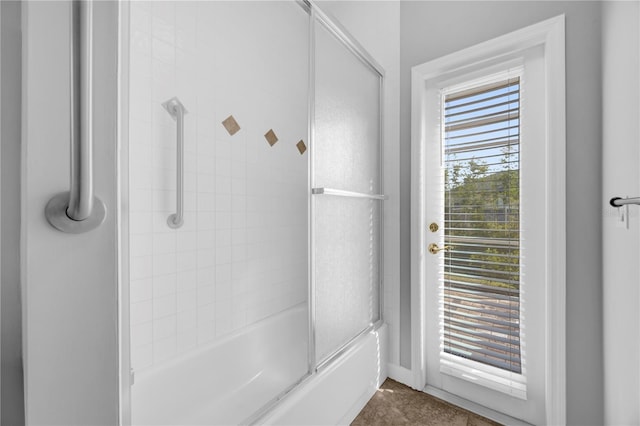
(434, 249)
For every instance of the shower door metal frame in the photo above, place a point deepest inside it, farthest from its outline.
(319, 17)
(126, 378)
(316, 17)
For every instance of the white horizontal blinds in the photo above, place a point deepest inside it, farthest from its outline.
(481, 280)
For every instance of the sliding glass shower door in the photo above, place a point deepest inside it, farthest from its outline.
(347, 185)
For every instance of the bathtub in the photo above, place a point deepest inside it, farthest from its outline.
(228, 381)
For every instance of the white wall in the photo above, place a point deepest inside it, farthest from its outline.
(69, 281)
(427, 32)
(621, 177)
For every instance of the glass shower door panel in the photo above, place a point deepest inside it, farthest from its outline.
(346, 156)
(347, 269)
(347, 118)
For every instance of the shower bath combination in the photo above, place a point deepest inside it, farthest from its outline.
(251, 178)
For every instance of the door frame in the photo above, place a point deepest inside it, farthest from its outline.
(549, 34)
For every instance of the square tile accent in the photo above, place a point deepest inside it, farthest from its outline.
(231, 125)
(301, 147)
(271, 137)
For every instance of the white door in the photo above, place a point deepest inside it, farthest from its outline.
(483, 183)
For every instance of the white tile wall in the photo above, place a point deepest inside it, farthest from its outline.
(242, 253)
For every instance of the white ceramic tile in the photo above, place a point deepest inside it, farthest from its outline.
(190, 197)
(206, 276)
(142, 334)
(206, 183)
(238, 253)
(205, 295)
(164, 285)
(164, 306)
(206, 258)
(141, 312)
(223, 238)
(223, 273)
(164, 264)
(206, 239)
(223, 202)
(239, 220)
(223, 220)
(190, 178)
(187, 300)
(140, 290)
(187, 280)
(223, 256)
(186, 241)
(141, 245)
(187, 320)
(140, 200)
(206, 314)
(223, 292)
(164, 243)
(163, 29)
(140, 267)
(206, 202)
(164, 327)
(186, 261)
(206, 220)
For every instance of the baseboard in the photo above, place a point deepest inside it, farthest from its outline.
(474, 408)
(400, 374)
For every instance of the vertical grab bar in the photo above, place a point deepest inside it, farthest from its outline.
(177, 111)
(78, 210)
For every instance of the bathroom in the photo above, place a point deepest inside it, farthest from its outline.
(294, 284)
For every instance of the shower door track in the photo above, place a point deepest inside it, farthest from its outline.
(339, 353)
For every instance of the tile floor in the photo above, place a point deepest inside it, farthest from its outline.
(397, 404)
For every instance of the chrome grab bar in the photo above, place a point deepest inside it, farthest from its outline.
(177, 111)
(78, 210)
(341, 193)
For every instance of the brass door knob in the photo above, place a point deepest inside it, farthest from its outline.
(434, 249)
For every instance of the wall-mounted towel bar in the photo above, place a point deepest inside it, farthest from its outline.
(619, 202)
(341, 193)
(78, 210)
(177, 111)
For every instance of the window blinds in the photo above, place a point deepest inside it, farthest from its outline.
(480, 286)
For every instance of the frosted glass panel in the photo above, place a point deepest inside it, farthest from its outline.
(347, 112)
(347, 269)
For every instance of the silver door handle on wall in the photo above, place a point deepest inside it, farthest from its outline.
(177, 111)
(78, 210)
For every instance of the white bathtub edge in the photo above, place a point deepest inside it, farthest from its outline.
(336, 394)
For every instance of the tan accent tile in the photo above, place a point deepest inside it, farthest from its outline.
(301, 147)
(231, 125)
(271, 137)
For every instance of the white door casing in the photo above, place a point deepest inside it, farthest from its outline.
(546, 386)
